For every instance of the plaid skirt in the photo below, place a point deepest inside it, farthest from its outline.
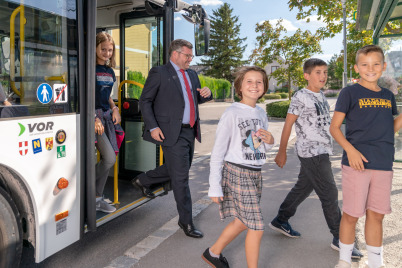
(242, 189)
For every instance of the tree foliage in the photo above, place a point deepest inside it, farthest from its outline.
(330, 12)
(289, 51)
(225, 46)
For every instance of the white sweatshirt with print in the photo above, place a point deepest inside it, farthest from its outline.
(237, 141)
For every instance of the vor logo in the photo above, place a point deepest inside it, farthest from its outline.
(37, 127)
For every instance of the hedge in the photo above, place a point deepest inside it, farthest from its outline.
(135, 91)
(272, 96)
(220, 87)
(278, 109)
(284, 95)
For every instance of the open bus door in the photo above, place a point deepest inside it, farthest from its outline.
(140, 45)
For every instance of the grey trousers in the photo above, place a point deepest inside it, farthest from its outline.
(107, 160)
(315, 174)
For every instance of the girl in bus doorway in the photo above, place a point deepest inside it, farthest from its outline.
(107, 117)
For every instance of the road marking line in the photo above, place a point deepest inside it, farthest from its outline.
(142, 248)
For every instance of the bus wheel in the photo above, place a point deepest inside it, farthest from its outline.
(10, 232)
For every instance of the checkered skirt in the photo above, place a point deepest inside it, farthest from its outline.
(242, 189)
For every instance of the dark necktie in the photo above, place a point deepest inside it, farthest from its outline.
(190, 98)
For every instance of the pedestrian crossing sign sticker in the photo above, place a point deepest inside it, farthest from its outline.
(60, 93)
(44, 93)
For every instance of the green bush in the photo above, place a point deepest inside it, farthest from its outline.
(278, 109)
(135, 91)
(284, 95)
(220, 88)
(272, 96)
(281, 90)
(261, 100)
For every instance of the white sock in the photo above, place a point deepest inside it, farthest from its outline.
(345, 252)
(213, 254)
(374, 255)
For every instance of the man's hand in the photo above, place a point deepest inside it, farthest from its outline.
(356, 160)
(157, 134)
(216, 199)
(204, 92)
(280, 159)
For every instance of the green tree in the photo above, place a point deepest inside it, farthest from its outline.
(335, 70)
(330, 12)
(225, 46)
(289, 51)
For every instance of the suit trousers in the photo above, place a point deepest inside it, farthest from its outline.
(176, 169)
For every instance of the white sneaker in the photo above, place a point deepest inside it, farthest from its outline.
(343, 264)
(102, 205)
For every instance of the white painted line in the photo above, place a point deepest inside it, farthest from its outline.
(141, 249)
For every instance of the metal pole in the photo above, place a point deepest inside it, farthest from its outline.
(345, 67)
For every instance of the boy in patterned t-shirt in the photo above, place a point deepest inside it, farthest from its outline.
(309, 111)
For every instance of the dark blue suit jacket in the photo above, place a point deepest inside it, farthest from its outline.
(162, 103)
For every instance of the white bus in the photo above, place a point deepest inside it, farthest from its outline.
(47, 152)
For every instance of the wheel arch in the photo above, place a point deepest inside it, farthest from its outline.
(16, 187)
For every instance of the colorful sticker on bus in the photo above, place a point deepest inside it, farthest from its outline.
(61, 136)
(23, 147)
(60, 93)
(44, 93)
(36, 146)
(61, 151)
(49, 143)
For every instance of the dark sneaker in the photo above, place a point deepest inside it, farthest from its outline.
(220, 262)
(356, 254)
(284, 228)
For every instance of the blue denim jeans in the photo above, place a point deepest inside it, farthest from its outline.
(315, 174)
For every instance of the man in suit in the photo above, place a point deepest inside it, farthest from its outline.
(169, 107)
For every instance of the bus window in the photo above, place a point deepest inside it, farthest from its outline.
(38, 57)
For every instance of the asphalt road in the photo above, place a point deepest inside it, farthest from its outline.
(149, 236)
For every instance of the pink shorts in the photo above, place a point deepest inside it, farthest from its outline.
(368, 189)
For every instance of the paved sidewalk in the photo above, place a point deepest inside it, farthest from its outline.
(311, 250)
(277, 251)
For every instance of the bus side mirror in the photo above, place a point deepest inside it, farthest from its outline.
(201, 35)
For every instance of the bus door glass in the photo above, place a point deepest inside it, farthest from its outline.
(142, 50)
(38, 58)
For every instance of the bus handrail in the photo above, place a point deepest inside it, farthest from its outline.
(116, 165)
(116, 168)
(20, 10)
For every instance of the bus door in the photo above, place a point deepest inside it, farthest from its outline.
(138, 49)
(141, 49)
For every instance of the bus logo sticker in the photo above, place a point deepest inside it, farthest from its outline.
(22, 129)
(44, 93)
(61, 151)
(60, 93)
(36, 145)
(61, 136)
(23, 147)
(49, 143)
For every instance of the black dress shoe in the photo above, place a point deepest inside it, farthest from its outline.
(190, 230)
(145, 191)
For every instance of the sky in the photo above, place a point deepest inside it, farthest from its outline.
(251, 12)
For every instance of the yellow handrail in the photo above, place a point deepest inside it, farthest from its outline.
(116, 167)
(20, 10)
(61, 78)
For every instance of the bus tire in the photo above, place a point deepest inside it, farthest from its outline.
(10, 232)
